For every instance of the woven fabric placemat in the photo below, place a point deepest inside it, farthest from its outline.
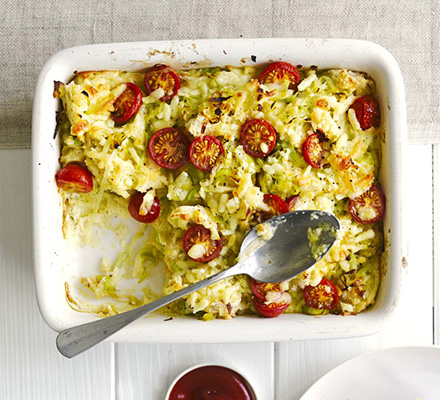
(30, 32)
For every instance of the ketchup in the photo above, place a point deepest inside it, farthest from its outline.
(212, 383)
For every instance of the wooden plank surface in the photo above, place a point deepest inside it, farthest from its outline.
(301, 364)
(436, 204)
(30, 365)
(145, 371)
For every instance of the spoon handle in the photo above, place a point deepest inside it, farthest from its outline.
(74, 341)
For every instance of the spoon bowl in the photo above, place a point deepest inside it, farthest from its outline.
(275, 250)
(289, 250)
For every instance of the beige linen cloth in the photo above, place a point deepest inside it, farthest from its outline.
(31, 31)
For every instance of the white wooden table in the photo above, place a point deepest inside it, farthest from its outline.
(31, 368)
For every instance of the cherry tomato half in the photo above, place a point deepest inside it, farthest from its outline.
(291, 202)
(168, 148)
(198, 234)
(258, 137)
(323, 296)
(276, 204)
(74, 178)
(261, 289)
(134, 206)
(205, 151)
(162, 76)
(270, 310)
(312, 150)
(279, 71)
(369, 207)
(127, 104)
(367, 111)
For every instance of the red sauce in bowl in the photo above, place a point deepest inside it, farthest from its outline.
(212, 383)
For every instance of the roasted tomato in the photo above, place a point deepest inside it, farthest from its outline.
(261, 289)
(276, 204)
(74, 178)
(168, 148)
(369, 207)
(324, 296)
(162, 76)
(258, 137)
(279, 71)
(291, 202)
(312, 150)
(205, 152)
(207, 248)
(127, 104)
(145, 216)
(367, 112)
(269, 310)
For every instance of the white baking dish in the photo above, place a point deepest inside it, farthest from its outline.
(56, 262)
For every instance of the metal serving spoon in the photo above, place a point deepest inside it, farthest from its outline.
(286, 253)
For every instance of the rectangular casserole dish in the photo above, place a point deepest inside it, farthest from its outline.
(57, 262)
